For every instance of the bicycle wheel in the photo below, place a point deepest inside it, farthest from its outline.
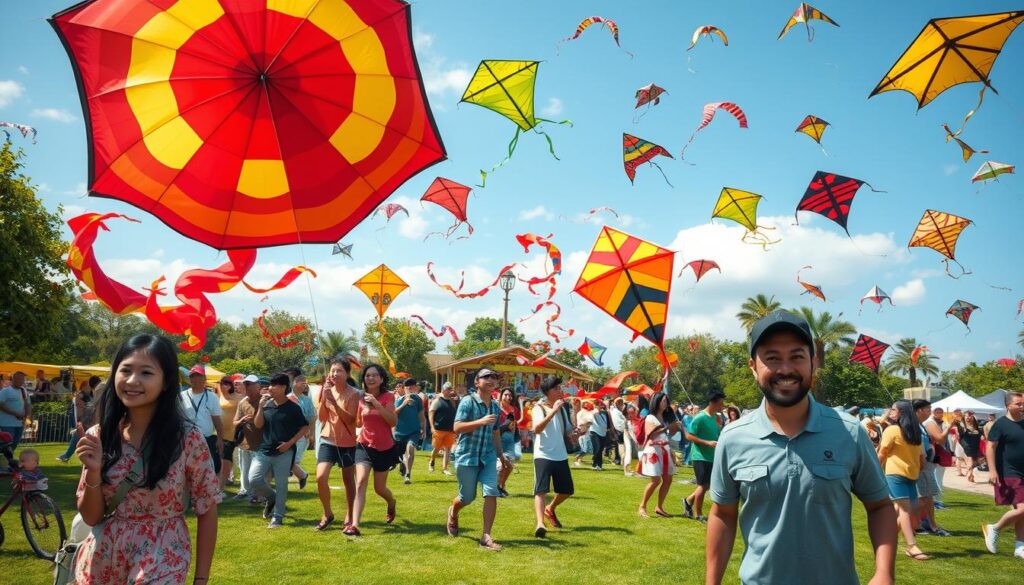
(44, 526)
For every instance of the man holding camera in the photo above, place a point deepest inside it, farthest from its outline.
(283, 425)
(476, 455)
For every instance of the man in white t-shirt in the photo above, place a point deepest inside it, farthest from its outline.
(202, 406)
(550, 457)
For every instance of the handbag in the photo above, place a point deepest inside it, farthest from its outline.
(64, 561)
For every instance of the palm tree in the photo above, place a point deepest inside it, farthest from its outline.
(335, 343)
(754, 308)
(1020, 338)
(900, 361)
(829, 333)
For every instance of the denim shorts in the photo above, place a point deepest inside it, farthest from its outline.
(901, 488)
(469, 475)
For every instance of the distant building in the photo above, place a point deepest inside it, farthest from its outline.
(929, 393)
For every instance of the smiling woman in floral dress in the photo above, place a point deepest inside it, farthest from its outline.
(146, 539)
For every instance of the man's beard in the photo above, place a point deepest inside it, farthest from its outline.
(778, 399)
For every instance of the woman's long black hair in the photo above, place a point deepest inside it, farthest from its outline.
(385, 381)
(166, 432)
(656, 401)
(909, 427)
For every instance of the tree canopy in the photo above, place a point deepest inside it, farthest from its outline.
(35, 290)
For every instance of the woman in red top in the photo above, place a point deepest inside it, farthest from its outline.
(376, 416)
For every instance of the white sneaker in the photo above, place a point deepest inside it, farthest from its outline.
(1018, 549)
(991, 535)
(446, 472)
(408, 480)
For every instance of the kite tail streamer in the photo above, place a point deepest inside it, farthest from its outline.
(511, 150)
(458, 291)
(663, 176)
(981, 98)
(760, 238)
(288, 278)
(444, 329)
(963, 271)
(384, 347)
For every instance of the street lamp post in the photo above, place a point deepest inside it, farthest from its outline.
(507, 282)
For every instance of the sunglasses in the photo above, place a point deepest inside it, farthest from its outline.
(490, 377)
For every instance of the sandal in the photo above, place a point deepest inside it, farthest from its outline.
(351, 531)
(453, 522)
(391, 514)
(918, 556)
(489, 544)
(324, 523)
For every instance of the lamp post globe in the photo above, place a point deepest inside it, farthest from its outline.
(507, 282)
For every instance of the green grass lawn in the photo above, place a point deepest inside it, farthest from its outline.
(604, 541)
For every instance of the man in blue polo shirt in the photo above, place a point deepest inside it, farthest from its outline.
(794, 463)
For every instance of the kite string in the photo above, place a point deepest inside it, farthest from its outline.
(312, 304)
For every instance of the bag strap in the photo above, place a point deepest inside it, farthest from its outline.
(132, 479)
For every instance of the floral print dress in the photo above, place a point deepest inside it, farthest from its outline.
(146, 540)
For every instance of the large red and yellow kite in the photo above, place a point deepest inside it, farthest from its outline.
(250, 124)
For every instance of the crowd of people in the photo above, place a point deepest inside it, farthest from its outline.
(150, 450)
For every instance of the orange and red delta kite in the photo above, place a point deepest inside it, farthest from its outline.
(250, 124)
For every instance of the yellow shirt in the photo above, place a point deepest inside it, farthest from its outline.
(904, 459)
(229, 405)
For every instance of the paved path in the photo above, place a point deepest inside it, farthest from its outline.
(981, 486)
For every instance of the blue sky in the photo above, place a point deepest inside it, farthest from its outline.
(885, 141)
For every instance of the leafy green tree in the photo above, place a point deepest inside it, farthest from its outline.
(601, 375)
(242, 366)
(829, 333)
(573, 359)
(840, 383)
(247, 341)
(736, 379)
(979, 380)
(900, 362)
(754, 308)
(407, 343)
(35, 288)
(484, 335)
(1020, 338)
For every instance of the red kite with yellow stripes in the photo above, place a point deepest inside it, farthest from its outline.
(629, 279)
(250, 124)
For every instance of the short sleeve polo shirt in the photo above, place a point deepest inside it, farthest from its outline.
(796, 494)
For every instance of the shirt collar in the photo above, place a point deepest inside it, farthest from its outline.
(765, 428)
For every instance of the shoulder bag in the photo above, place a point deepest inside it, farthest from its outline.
(64, 562)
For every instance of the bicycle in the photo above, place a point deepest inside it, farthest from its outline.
(40, 517)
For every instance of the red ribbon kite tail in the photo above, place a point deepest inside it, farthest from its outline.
(444, 329)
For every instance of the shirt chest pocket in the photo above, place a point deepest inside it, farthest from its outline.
(754, 482)
(829, 483)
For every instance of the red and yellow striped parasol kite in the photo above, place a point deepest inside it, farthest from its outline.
(250, 124)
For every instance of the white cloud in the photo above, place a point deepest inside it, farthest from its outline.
(910, 293)
(439, 78)
(950, 169)
(73, 210)
(552, 108)
(55, 114)
(9, 91)
(44, 188)
(23, 69)
(537, 212)
(78, 190)
(959, 356)
(422, 41)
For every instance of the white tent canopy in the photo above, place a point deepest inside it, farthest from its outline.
(963, 401)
